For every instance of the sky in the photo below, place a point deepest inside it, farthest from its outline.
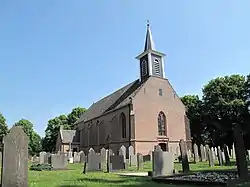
(60, 54)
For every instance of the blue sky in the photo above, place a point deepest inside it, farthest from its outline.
(60, 54)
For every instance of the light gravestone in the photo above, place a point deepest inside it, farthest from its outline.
(213, 153)
(59, 161)
(203, 159)
(210, 157)
(94, 161)
(163, 163)
(15, 159)
(42, 158)
(122, 152)
(139, 161)
(196, 153)
(104, 158)
(184, 158)
(82, 157)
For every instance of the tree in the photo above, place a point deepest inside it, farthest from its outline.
(34, 138)
(75, 115)
(3, 129)
(194, 111)
(52, 130)
(224, 104)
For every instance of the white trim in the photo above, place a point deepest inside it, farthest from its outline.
(163, 69)
(150, 71)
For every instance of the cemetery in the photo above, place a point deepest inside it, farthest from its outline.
(203, 165)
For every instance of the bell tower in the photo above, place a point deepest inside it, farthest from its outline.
(151, 61)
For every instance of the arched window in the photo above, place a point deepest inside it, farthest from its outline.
(162, 124)
(123, 124)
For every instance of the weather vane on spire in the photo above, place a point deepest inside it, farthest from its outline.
(147, 23)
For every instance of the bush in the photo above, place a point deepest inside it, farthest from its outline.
(41, 167)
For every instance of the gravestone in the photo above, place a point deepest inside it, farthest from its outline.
(233, 152)
(117, 162)
(94, 161)
(210, 157)
(226, 155)
(184, 159)
(240, 153)
(76, 157)
(122, 151)
(82, 157)
(104, 158)
(203, 159)
(163, 163)
(220, 158)
(15, 158)
(42, 156)
(213, 153)
(132, 156)
(196, 153)
(59, 161)
(139, 161)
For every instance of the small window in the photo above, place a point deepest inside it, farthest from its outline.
(144, 68)
(160, 92)
(157, 66)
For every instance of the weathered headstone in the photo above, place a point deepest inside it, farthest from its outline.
(42, 158)
(15, 158)
(104, 158)
(122, 151)
(203, 159)
(213, 153)
(240, 153)
(59, 161)
(94, 161)
(139, 161)
(117, 162)
(162, 163)
(226, 154)
(233, 152)
(210, 157)
(82, 157)
(184, 159)
(220, 158)
(196, 153)
(76, 157)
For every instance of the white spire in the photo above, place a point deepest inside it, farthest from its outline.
(149, 43)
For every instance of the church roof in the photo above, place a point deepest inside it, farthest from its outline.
(67, 136)
(115, 100)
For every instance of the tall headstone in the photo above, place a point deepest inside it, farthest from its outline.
(220, 158)
(15, 158)
(42, 158)
(226, 153)
(196, 153)
(139, 161)
(184, 158)
(94, 161)
(233, 152)
(213, 153)
(122, 151)
(82, 157)
(210, 157)
(240, 153)
(203, 159)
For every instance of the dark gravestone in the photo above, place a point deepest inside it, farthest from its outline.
(240, 153)
(196, 153)
(15, 159)
(227, 158)
(117, 162)
(220, 158)
(184, 158)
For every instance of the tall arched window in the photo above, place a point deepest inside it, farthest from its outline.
(162, 124)
(123, 124)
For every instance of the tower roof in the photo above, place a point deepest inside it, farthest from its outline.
(149, 43)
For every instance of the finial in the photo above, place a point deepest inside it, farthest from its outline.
(147, 23)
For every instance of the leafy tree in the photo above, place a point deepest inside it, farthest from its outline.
(75, 115)
(3, 129)
(51, 132)
(224, 104)
(194, 111)
(34, 138)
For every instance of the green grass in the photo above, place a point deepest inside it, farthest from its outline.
(74, 177)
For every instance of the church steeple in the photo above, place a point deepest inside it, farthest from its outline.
(151, 61)
(149, 43)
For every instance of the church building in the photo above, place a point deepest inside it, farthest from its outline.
(144, 113)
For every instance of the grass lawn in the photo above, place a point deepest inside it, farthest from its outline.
(75, 178)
